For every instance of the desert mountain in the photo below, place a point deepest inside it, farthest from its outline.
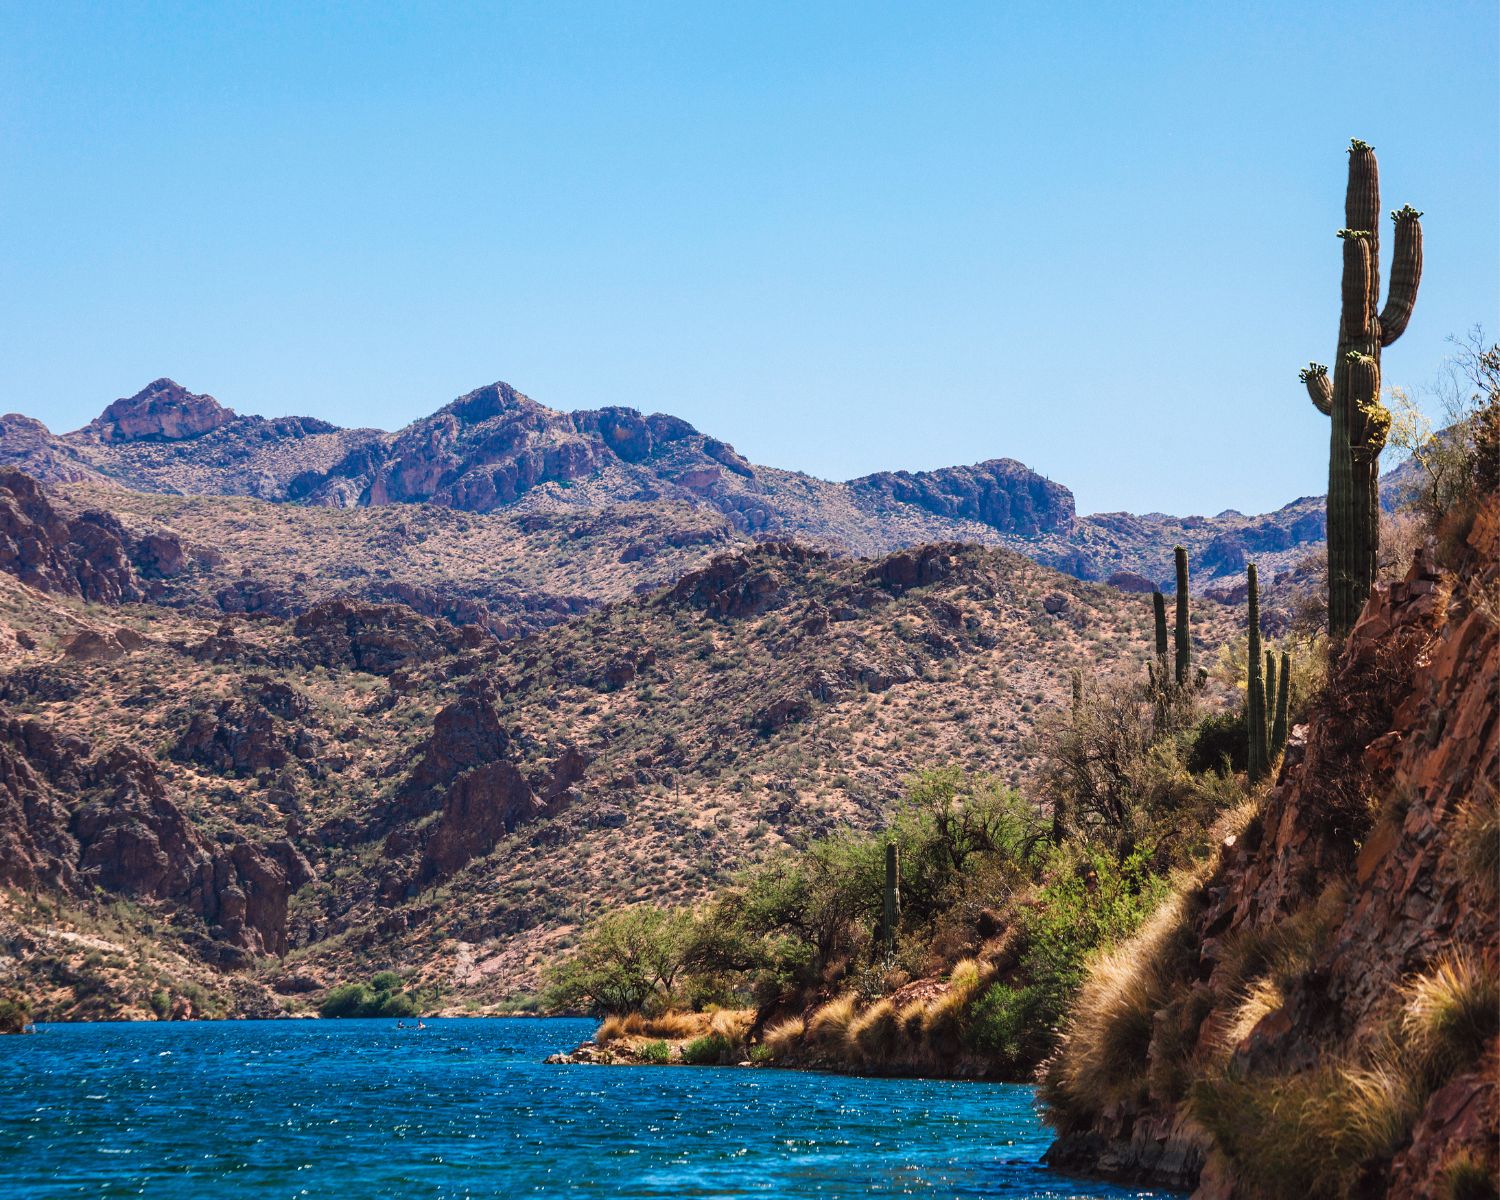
(233, 811)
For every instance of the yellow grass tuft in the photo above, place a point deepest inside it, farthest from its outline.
(1450, 1012)
(875, 1034)
(1103, 1054)
(829, 1025)
(943, 1021)
(732, 1024)
(783, 1038)
(1262, 998)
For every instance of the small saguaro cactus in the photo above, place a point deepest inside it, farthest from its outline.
(1182, 634)
(1283, 701)
(1259, 750)
(892, 895)
(1159, 611)
(1351, 399)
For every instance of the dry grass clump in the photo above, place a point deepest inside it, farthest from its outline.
(783, 1038)
(672, 1025)
(1261, 998)
(731, 1024)
(828, 1027)
(1304, 1137)
(875, 1035)
(1449, 1013)
(1286, 950)
(943, 1018)
(1477, 839)
(1314, 1134)
(1466, 1177)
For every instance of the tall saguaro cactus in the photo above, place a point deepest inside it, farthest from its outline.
(1181, 634)
(1255, 701)
(1351, 399)
(1159, 611)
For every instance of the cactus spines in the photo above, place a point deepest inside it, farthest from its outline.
(892, 913)
(1283, 700)
(1182, 635)
(1255, 700)
(1357, 423)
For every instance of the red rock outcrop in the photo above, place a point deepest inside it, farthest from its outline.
(378, 638)
(73, 823)
(91, 556)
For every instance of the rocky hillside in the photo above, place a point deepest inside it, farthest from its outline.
(497, 451)
(228, 812)
(1318, 1015)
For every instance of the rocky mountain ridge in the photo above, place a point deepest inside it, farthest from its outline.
(496, 450)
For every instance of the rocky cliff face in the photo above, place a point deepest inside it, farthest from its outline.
(90, 556)
(1407, 732)
(73, 820)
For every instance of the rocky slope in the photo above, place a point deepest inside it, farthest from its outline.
(495, 450)
(1295, 977)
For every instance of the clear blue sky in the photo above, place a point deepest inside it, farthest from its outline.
(844, 237)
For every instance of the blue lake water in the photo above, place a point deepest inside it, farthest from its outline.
(467, 1108)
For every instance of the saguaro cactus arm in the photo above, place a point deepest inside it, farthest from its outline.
(1406, 275)
(1319, 387)
(1283, 698)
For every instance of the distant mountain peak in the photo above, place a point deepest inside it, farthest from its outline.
(162, 411)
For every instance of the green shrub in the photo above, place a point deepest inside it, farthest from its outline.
(1012, 1025)
(655, 1052)
(380, 997)
(710, 1050)
(349, 1000)
(13, 1016)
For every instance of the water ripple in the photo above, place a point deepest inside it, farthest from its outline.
(466, 1110)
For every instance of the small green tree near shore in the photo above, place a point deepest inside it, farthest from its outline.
(629, 960)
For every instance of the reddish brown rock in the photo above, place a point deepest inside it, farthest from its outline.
(162, 411)
(378, 638)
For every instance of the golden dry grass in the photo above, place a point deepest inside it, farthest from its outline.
(1450, 1011)
(783, 1038)
(675, 1026)
(876, 1034)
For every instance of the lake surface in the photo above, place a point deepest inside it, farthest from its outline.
(467, 1108)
